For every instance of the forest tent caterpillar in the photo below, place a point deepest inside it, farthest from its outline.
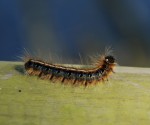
(104, 66)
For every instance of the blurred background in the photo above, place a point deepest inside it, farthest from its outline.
(76, 29)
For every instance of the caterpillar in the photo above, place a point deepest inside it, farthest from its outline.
(103, 68)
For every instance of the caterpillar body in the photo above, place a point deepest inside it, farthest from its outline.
(70, 75)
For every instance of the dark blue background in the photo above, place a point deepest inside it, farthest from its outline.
(67, 28)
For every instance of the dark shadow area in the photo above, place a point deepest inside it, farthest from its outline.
(20, 69)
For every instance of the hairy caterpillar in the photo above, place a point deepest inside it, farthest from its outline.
(104, 66)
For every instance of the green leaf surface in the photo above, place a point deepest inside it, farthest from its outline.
(25, 100)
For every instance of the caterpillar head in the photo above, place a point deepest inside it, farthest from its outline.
(110, 59)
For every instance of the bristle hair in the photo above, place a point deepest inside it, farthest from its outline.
(100, 71)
